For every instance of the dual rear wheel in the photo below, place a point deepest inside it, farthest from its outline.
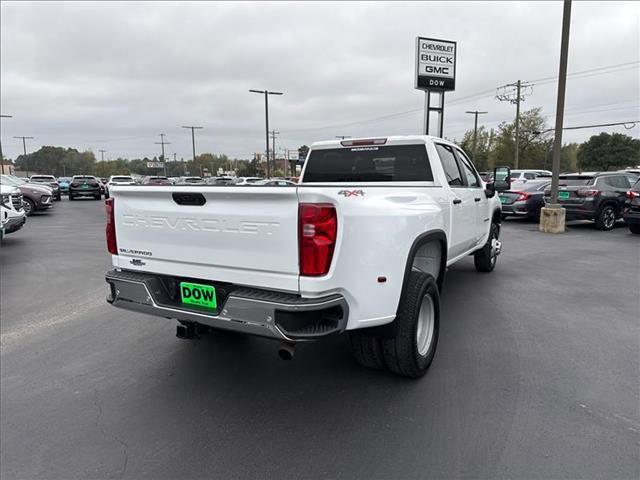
(410, 351)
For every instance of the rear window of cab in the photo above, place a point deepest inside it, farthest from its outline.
(375, 163)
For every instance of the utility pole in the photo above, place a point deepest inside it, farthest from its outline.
(102, 154)
(342, 137)
(193, 140)
(552, 218)
(1, 157)
(24, 149)
(475, 113)
(507, 94)
(163, 143)
(266, 94)
(273, 144)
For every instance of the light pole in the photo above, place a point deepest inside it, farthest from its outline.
(24, 149)
(266, 94)
(1, 157)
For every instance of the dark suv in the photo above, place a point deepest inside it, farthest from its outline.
(631, 212)
(593, 196)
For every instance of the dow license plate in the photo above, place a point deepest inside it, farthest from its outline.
(198, 295)
(563, 195)
(503, 199)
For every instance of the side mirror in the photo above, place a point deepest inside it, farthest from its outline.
(502, 179)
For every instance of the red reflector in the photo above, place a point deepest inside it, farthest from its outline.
(317, 233)
(631, 194)
(359, 143)
(112, 244)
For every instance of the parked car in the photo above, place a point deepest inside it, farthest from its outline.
(12, 214)
(524, 199)
(84, 186)
(520, 175)
(48, 180)
(304, 264)
(35, 197)
(64, 182)
(118, 180)
(275, 182)
(247, 180)
(221, 181)
(155, 180)
(631, 209)
(597, 196)
(191, 180)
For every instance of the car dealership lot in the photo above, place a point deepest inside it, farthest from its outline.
(536, 374)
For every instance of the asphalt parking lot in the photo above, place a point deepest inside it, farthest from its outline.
(536, 374)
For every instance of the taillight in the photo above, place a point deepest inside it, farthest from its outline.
(587, 192)
(631, 194)
(521, 196)
(317, 232)
(75, 184)
(112, 244)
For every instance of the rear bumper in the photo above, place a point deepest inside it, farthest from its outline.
(276, 315)
(84, 192)
(631, 216)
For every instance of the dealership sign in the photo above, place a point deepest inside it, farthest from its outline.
(155, 164)
(435, 64)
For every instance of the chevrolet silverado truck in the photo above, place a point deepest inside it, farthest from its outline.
(360, 245)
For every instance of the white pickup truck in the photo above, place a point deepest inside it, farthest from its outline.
(361, 244)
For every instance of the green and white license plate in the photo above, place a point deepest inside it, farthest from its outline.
(85, 186)
(198, 295)
(563, 195)
(503, 199)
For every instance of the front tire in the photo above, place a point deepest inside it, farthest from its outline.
(29, 207)
(486, 258)
(634, 227)
(410, 352)
(606, 218)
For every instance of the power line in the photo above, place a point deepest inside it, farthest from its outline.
(475, 96)
(631, 124)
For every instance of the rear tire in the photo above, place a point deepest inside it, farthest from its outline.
(485, 259)
(366, 349)
(634, 228)
(606, 218)
(413, 347)
(97, 197)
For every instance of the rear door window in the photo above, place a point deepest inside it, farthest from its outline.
(450, 165)
(376, 163)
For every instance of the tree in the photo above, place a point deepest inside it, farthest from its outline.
(609, 151)
(484, 144)
(534, 147)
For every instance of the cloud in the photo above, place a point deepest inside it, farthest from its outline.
(113, 75)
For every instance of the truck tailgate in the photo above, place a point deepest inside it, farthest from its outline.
(242, 235)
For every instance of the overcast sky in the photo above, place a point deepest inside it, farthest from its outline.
(113, 75)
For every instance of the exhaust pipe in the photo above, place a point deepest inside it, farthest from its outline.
(286, 351)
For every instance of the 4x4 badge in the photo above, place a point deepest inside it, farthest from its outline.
(351, 193)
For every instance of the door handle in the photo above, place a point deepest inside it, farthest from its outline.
(457, 201)
(477, 199)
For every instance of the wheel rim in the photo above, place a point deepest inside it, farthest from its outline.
(609, 217)
(424, 332)
(494, 248)
(27, 208)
